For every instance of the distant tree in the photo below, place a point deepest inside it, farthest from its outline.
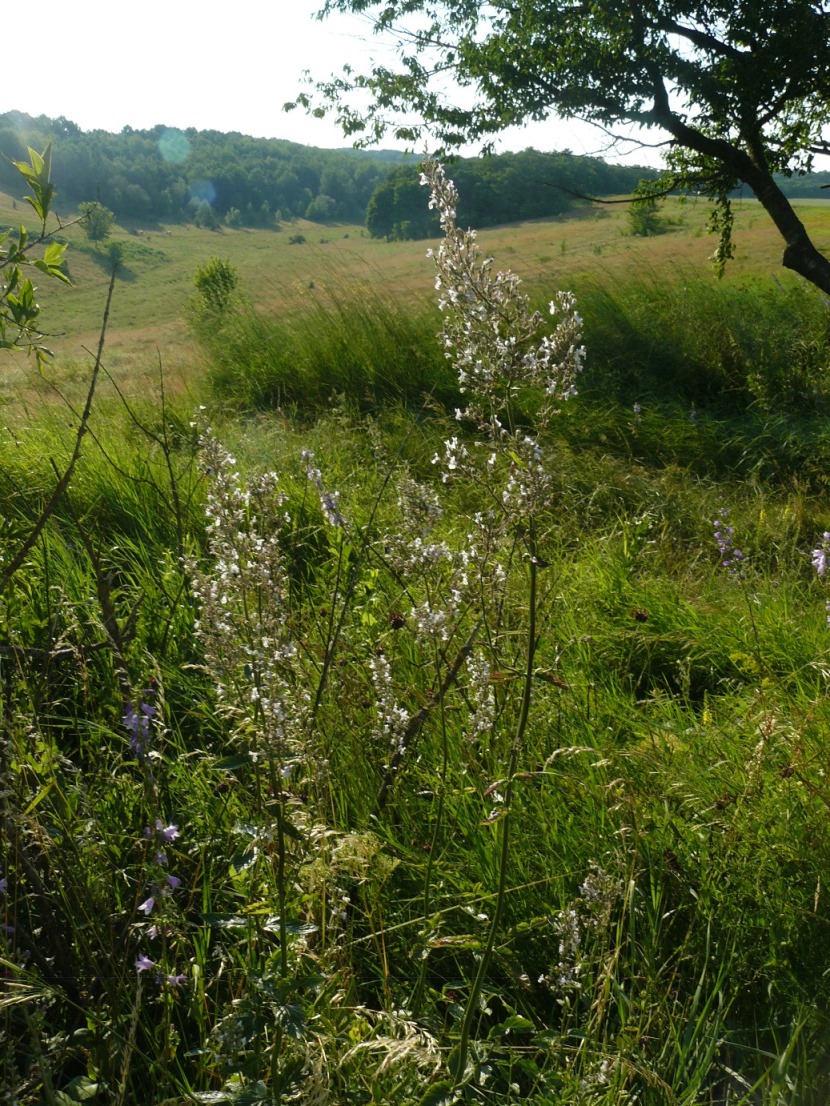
(644, 219)
(97, 220)
(233, 217)
(205, 217)
(321, 209)
(216, 282)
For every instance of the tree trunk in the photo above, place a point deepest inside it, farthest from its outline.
(800, 255)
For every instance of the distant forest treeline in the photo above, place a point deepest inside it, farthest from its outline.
(170, 174)
(504, 188)
(210, 177)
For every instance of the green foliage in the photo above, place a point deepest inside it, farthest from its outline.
(97, 220)
(673, 805)
(19, 310)
(205, 217)
(266, 720)
(501, 188)
(644, 218)
(359, 346)
(216, 282)
(722, 346)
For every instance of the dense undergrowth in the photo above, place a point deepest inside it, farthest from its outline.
(259, 764)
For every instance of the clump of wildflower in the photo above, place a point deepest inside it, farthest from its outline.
(590, 912)
(393, 719)
(819, 560)
(731, 557)
(565, 976)
(489, 331)
(821, 554)
(159, 903)
(491, 335)
(329, 500)
(482, 700)
(410, 546)
(245, 624)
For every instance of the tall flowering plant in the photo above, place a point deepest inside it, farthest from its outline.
(490, 332)
(492, 337)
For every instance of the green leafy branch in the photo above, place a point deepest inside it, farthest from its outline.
(19, 310)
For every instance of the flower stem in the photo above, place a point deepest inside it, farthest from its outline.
(458, 1063)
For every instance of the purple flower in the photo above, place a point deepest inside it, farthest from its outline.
(4, 885)
(147, 906)
(168, 833)
(143, 963)
(173, 881)
(137, 724)
(725, 537)
(175, 980)
(821, 554)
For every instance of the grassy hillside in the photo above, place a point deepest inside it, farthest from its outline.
(592, 243)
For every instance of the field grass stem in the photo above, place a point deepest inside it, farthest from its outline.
(458, 1059)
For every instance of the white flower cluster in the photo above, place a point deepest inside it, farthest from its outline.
(490, 332)
(329, 500)
(480, 691)
(244, 622)
(393, 719)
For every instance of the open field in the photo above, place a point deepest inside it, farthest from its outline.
(589, 244)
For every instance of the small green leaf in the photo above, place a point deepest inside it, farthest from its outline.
(242, 861)
(514, 1024)
(232, 763)
(225, 921)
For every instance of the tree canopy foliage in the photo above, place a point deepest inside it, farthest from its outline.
(98, 220)
(739, 89)
(504, 188)
(162, 173)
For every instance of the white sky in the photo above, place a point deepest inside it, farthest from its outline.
(106, 64)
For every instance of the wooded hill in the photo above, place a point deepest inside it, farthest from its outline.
(504, 188)
(210, 177)
(173, 175)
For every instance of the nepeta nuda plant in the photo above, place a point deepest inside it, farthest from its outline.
(489, 331)
(491, 336)
(244, 623)
(732, 557)
(819, 562)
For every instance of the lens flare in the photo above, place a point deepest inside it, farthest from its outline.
(174, 146)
